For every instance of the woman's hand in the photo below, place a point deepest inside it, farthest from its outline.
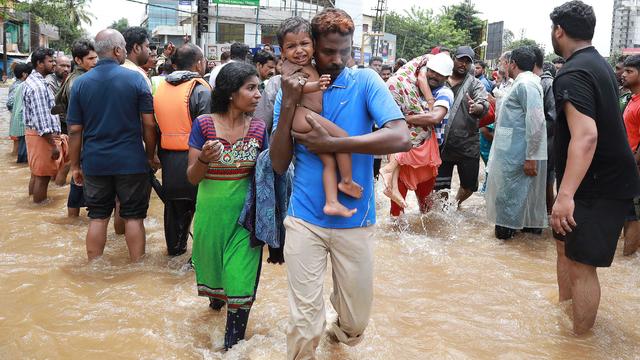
(211, 151)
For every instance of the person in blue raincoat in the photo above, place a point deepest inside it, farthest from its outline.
(518, 160)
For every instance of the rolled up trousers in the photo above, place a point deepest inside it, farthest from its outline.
(306, 251)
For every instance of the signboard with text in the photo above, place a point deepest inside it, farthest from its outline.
(238, 2)
(215, 50)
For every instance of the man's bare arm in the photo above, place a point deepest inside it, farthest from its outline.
(281, 147)
(434, 117)
(150, 135)
(582, 147)
(392, 138)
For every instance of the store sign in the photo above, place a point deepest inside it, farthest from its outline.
(238, 2)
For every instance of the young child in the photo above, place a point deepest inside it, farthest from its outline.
(297, 53)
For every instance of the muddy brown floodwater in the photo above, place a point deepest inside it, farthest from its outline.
(444, 289)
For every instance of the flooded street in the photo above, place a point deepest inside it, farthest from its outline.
(445, 288)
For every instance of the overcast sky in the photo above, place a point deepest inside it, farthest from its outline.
(518, 15)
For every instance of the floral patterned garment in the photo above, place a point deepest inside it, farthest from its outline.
(238, 159)
(405, 91)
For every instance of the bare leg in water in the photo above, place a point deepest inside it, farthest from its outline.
(32, 183)
(39, 189)
(118, 222)
(562, 270)
(631, 237)
(578, 282)
(97, 238)
(463, 194)
(390, 174)
(585, 293)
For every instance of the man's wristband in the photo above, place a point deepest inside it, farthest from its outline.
(202, 161)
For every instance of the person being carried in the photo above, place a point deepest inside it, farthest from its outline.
(297, 52)
(422, 79)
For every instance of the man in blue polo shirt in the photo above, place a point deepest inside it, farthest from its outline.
(105, 108)
(355, 101)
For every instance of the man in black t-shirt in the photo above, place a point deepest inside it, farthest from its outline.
(596, 171)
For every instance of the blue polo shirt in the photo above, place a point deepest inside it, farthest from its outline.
(107, 101)
(355, 101)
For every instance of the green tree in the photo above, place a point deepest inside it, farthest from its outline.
(524, 42)
(67, 15)
(507, 38)
(465, 16)
(419, 30)
(120, 25)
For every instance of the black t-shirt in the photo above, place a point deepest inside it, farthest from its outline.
(588, 82)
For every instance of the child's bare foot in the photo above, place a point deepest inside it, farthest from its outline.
(395, 196)
(337, 209)
(351, 188)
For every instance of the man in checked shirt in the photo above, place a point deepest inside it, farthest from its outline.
(42, 130)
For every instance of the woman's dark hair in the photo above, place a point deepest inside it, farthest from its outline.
(576, 18)
(230, 79)
(22, 68)
(135, 35)
(81, 48)
(40, 54)
(294, 25)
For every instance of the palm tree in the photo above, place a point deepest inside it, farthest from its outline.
(78, 12)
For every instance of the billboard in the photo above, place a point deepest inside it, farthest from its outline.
(494, 40)
(237, 2)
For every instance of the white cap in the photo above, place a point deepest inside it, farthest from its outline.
(441, 63)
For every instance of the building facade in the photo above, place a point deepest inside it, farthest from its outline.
(254, 23)
(165, 20)
(625, 27)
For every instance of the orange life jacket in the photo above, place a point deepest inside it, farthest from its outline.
(171, 107)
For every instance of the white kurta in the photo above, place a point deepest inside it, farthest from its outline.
(515, 200)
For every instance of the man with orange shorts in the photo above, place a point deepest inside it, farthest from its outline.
(46, 148)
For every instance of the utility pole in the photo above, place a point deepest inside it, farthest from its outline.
(5, 61)
(378, 24)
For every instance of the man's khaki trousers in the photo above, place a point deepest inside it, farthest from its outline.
(305, 252)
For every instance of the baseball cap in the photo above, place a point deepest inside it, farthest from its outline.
(465, 51)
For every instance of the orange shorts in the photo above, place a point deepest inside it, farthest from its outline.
(39, 153)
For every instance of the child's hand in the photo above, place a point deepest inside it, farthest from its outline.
(324, 81)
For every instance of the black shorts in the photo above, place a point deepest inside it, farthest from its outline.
(595, 238)
(133, 192)
(468, 170)
(76, 196)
